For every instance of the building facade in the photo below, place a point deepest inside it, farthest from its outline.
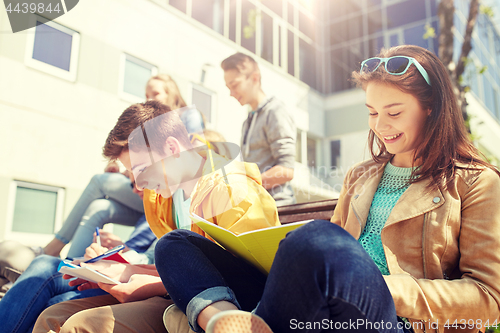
(64, 83)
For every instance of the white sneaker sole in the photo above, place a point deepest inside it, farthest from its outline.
(235, 321)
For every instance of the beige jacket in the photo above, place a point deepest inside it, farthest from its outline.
(442, 247)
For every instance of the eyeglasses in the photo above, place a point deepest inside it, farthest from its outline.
(397, 65)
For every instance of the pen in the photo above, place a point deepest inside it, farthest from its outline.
(98, 236)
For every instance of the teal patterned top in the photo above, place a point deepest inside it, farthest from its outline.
(392, 185)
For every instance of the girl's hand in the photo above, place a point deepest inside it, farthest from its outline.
(108, 239)
(115, 270)
(112, 166)
(139, 287)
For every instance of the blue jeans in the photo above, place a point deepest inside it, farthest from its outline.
(321, 277)
(39, 287)
(108, 198)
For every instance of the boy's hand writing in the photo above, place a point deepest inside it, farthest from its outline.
(93, 251)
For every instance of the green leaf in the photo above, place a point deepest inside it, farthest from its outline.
(466, 89)
(248, 32)
(461, 80)
(466, 61)
(430, 32)
(483, 69)
(487, 10)
(252, 18)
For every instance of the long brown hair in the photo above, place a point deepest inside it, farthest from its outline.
(445, 138)
(174, 99)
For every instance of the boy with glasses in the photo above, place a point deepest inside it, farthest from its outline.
(153, 144)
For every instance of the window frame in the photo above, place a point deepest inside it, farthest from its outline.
(210, 124)
(26, 237)
(47, 68)
(121, 80)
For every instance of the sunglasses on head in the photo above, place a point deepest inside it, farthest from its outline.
(397, 65)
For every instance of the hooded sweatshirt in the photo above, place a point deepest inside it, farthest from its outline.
(269, 139)
(232, 197)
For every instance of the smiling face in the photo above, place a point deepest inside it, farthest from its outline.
(136, 190)
(241, 87)
(162, 174)
(397, 119)
(155, 90)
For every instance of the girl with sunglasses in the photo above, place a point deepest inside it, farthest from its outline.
(415, 239)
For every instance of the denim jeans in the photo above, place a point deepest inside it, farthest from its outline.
(321, 277)
(39, 287)
(108, 198)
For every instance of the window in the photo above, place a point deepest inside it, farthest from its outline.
(179, 4)
(489, 95)
(496, 94)
(374, 46)
(374, 21)
(203, 99)
(248, 25)
(307, 63)
(291, 53)
(471, 77)
(374, 2)
(355, 27)
(344, 61)
(267, 38)
(415, 36)
(340, 72)
(232, 20)
(34, 209)
(335, 153)
(275, 5)
(291, 14)
(210, 13)
(435, 41)
(341, 8)
(311, 153)
(298, 147)
(135, 74)
(338, 32)
(280, 55)
(53, 48)
(394, 40)
(307, 25)
(405, 12)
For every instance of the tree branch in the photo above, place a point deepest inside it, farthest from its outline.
(467, 44)
(446, 10)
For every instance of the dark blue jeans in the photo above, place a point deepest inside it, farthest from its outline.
(321, 280)
(39, 287)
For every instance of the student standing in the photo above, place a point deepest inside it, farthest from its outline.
(269, 133)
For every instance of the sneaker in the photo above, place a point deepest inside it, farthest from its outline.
(236, 321)
(175, 320)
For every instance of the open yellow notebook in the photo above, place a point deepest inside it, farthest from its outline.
(258, 247)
